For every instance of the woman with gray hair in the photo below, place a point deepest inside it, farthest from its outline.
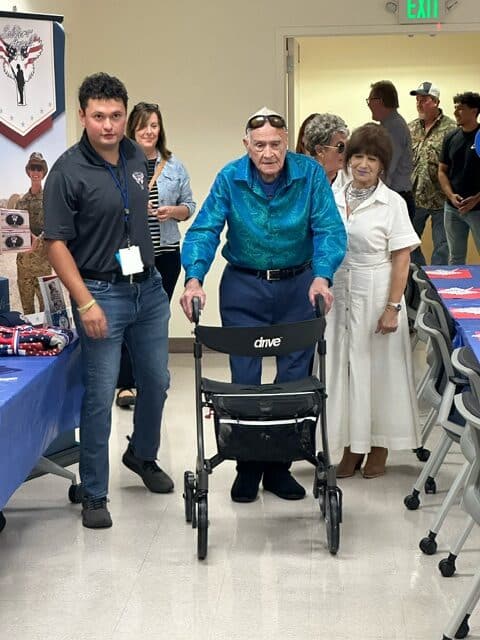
(325, 138)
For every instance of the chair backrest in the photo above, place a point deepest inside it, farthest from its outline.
(412, 292)
(434, 303)
(441, 346)
(269, 340)
(469, 408)
(465, 361)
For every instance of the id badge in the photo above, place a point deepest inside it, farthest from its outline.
(130, 260)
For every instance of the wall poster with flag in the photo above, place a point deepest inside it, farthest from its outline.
(32, 113)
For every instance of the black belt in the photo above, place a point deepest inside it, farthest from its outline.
(275, 274)
(116, 276)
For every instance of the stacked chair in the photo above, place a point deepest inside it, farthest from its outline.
(467, 404)
(439, 386)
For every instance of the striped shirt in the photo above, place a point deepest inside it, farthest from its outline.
(153, 223)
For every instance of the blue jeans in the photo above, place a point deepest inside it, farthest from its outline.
(457, 226)
(439, 238)
(248, 301)
(138, 313)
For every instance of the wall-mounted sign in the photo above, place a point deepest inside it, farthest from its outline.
(421, 11)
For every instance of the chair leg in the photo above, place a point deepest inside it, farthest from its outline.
(434, 462)
(464, 608)
(430, 422)
(449, 500)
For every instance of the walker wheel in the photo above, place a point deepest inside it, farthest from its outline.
(188, 491)
(321, 499)
(202, 525)
(75, 493)
(3, 522)
(332, 521)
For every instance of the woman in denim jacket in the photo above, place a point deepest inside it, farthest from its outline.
(170, 202)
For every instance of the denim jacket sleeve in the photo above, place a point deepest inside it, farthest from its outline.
(185, 196)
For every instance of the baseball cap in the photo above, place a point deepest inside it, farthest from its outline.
(37, 158)
(426, 89)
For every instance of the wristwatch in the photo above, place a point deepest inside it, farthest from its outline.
(396, 306)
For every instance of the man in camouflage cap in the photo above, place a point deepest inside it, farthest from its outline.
(34, 263)
(428, 132)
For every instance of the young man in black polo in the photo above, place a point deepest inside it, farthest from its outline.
(99, 244)
(459, 176)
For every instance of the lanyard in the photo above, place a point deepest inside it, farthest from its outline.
(123, 192)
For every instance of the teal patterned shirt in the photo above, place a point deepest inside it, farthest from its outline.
(298, 224)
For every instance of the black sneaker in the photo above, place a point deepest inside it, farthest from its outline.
(153, 477)
(95, 514)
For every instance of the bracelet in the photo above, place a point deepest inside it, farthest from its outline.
(84, 308)
(396, 306)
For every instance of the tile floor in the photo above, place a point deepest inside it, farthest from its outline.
(268, 574)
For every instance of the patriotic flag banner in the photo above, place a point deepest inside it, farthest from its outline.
(451, 273)
(32, 109)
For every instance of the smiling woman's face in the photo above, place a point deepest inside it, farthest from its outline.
(365, 169)
(147, 136)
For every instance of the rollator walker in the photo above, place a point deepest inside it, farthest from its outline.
(267, 422)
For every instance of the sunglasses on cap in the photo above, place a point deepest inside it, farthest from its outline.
(258, 121)
(35, 167)
(340, 147)
(145, 105)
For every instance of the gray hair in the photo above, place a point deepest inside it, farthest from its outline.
(321, 128)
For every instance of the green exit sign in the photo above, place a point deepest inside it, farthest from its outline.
(421, 11)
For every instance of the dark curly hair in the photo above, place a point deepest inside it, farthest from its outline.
(101, 86)
(469, 99)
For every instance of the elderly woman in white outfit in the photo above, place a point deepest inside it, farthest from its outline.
(371, 404)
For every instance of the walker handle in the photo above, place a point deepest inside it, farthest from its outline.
(196, 309)
(319, 306)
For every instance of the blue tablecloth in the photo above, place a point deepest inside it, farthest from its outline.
(41, 401)
(459, 289)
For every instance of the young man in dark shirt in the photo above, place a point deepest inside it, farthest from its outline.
(99, 244)
(459, 176)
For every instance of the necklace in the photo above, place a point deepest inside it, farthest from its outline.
(355, 196)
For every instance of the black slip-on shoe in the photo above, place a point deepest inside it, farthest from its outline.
(279, 480)
(153, 477)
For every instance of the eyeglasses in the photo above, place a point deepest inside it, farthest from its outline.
(368, 100)
(258, 121)
(35, 167)
(340, 146)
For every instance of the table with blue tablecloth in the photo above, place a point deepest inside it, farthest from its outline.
(40, 398)
(459, 288)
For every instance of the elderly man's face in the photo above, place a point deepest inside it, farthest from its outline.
(267, 148)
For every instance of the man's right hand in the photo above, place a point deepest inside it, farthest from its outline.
(456, 200)
(193, 289)
(94, 322)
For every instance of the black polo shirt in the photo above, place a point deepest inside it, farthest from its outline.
(84, 206)
(459, 154)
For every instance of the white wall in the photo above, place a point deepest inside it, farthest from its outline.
(209, 64)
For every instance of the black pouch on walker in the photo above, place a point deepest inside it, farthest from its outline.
(274, 422)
